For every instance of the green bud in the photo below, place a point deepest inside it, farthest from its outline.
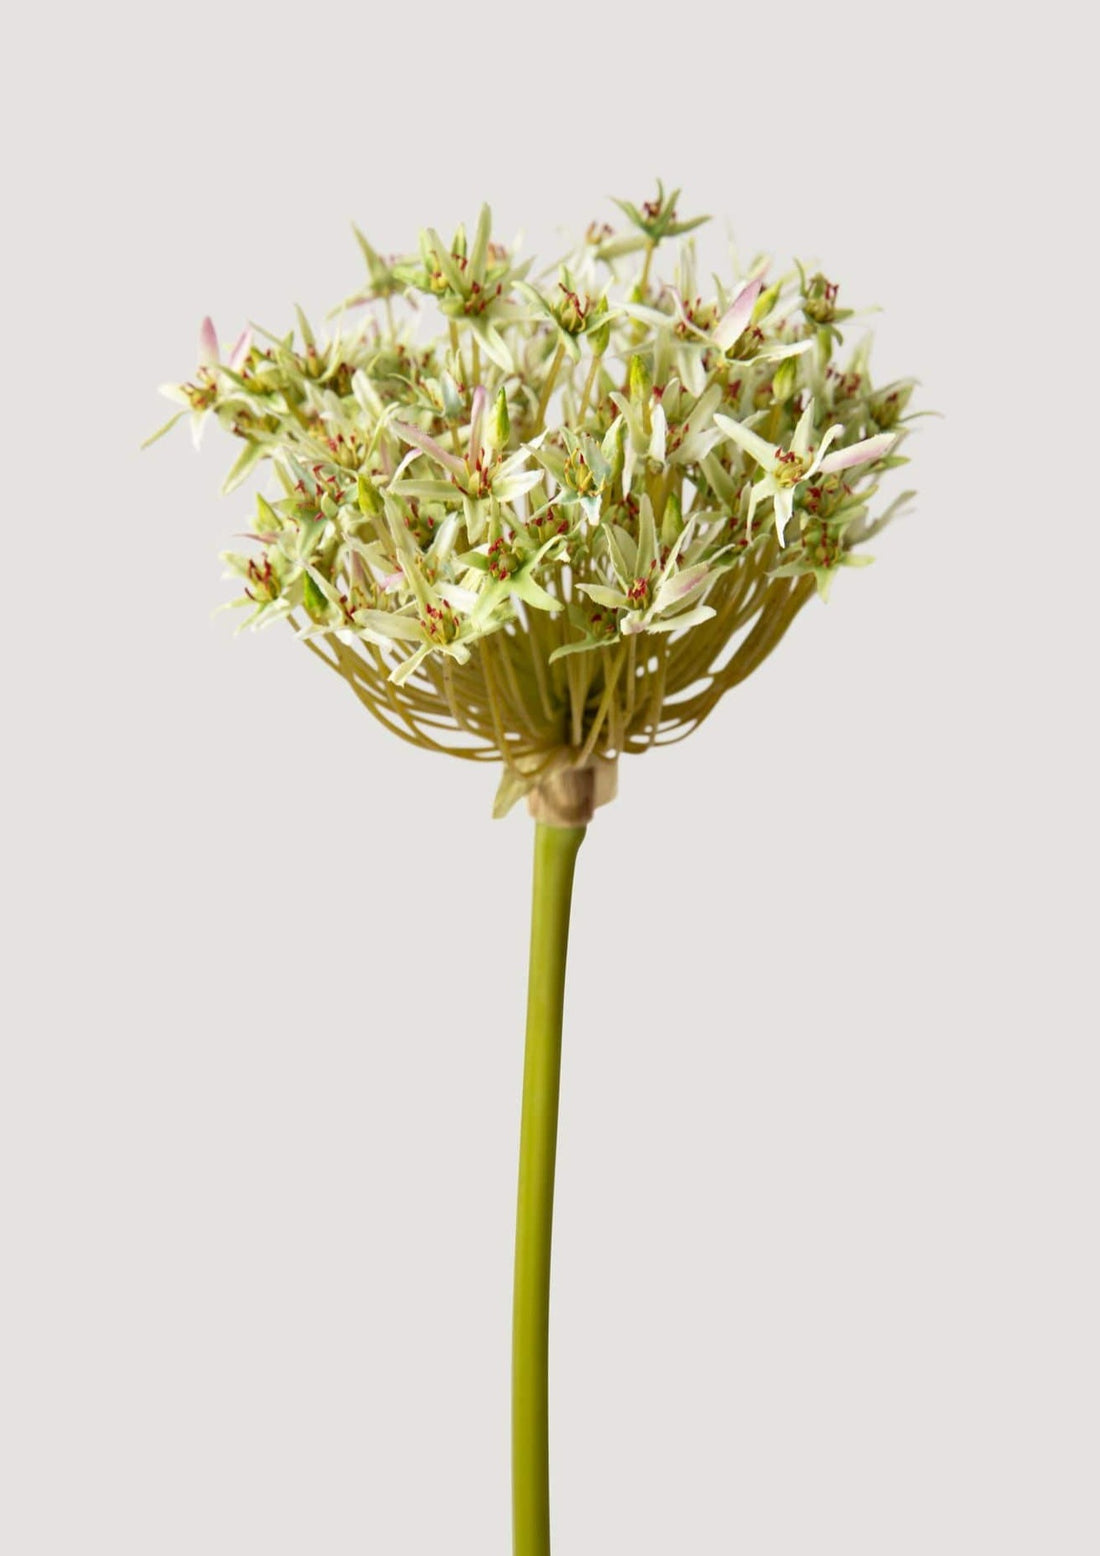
(306, 332)
(314, 601)
(499, 428)
(887, 408)
(640, 380)
(765, 303)
(613, 450)
(452, 400)
(819, 301)
(785, 381)
(599, 338)
(267, 520)
(370, 499)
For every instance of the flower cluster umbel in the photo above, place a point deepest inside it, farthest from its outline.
(563, 527)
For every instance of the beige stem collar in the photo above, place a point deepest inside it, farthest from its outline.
(569, 798)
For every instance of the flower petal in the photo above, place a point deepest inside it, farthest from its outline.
(680, 585)
(429, 446)
(477, 421)
(858, 453)
(800, 443)
(733, 323)
(752, 443)
(657, 439)
(208, 343)
(241, 347)
(784, 506)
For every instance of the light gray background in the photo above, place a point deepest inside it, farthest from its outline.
(825, 1250)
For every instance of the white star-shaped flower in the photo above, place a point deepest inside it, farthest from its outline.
(784, 469)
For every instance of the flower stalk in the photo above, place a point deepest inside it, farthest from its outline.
(556, 850)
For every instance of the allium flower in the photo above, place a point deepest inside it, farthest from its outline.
(201, 394)
(786, 469)
(553, 534)
(478, 531)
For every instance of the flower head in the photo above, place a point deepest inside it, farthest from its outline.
(543, 535)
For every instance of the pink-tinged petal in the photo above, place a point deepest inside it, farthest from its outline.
(680, 585)
(477, 421)
(208, 343)
(392, 581)
(429, 446)
(241, 347)
(733, 323)
(858, 453)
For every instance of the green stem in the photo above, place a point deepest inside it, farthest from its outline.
(643, 283)
(589, 381)
(555, 858)
(547, 390)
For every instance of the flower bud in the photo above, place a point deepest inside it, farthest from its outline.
(819, 299)
(640, 380)
(887, 408)
(452, 400)
(785, 380)
(599, 338)
(499, 429)
(370, 499)
(765, 303)
(316, 606)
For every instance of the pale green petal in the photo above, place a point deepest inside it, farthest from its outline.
(407, 666)
(647, 538)
(800, 443)
(531, 593)
(784, 506)
(168, 425)
(515, 485)
(611, 599)
(659, 423)
(688, 619)
(752, 443)
(249, 456)
(387, 627)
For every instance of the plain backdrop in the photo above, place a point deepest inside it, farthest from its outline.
(825, 1269)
